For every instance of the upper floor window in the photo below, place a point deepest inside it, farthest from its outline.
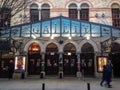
(116, 15)
(45, 12)
(34, 13)
(73, 13)
(84, 12)
(5, 17)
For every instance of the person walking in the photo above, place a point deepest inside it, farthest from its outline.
(103, 76)
(108, 75)
(10, 69)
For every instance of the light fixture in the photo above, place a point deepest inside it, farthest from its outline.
(69, 37)
(33, 36)
(69, 53)
(52, 37)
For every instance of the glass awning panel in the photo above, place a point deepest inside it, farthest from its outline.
(60, 26)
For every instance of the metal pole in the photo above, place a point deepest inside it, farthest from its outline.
(43, 86)
(88, 86)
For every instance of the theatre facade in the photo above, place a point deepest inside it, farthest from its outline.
(61, 47)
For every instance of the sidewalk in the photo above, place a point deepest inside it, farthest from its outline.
(56, 84)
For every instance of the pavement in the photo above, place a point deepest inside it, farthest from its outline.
(54, 83)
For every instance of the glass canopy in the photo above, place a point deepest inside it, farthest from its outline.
(60, 26)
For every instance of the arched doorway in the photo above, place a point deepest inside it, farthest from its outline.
(114, 56)
(51, 59)
(87, 60)
(69, 60)
(34, 59)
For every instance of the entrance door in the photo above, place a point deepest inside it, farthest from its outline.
(34, 63)
(87, 60)
(69, 64)
(87, 64)
(51, 59)
(4, 63)
(69, 60)
(114, 56)
(34, 59)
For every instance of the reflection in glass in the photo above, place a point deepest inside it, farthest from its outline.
(5, 33)
(56, 27)
(115, 32)
(106, 31)
(15, 32)
(75, 28)
(25, 31)
(65, 27)
(95, 30)
(36, 29)
(46, 28)
(85, 29)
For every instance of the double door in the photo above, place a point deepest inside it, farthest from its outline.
(87, 64)
(34, 64)
(51, 64)
(69, 65)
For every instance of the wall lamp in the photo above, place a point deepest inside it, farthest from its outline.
(97, 15)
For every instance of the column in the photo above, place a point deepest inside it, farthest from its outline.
(78, 13)
(60, 65)
(78, 65)
(42, 75)
(39, 14)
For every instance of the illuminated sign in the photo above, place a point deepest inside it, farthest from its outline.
(101, 61)
(20, 63)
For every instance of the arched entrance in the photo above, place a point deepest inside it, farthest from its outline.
(114, 56)
(69, 60)
(34, 59)
(87, 60)
(51, 59)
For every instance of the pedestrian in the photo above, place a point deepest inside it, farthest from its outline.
(108, 75)
(103, 76)
(10, 69)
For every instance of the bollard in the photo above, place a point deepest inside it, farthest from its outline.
(88, 86)
(43, 86)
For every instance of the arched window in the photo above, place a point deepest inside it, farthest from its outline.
(73, 11)
(115, 14)
(87, 48)
(34, 13)
(84, 12)
(45, 12)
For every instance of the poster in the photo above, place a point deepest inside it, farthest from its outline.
(101, 61)
(20, 64)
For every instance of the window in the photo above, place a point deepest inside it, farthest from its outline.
(115, 14)
(34, 13)
(84, 12)
(73, 11)
(5, 17)
(45, 12)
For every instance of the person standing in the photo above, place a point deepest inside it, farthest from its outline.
(10, 69)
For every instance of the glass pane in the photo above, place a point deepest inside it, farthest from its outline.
(25, 31)
(115, 32)
(5, 33)
(75, 28)
(15, 32)
(85, 29)
(46, 28)
(95, 30)
(36, 29)
(106, 31)
(65, 27)
(56, 27)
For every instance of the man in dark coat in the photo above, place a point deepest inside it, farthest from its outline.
(10, 69)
